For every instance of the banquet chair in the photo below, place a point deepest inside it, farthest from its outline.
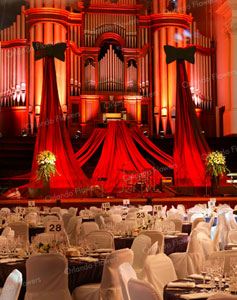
(203, 227)
(216, 239)
(181, 209)
(223, 238)
(73, 211)
(87, 227)
(230, 219)
(126, 272)
(56, 210)
(21, 230)
(174, 215)
(12, 286)
(227, 254)
(49, 218)
(153, 249)
(206, 244)
(31, 218)
(155, 235)
(232, 236)
(211, 222)
(147, 208)
(178, 224)
(73, 229)
(159, 271)
(141, 244)
(100, 221)
(101, 239)
(140, 290)
(196, 221)
(109, 288)
(47, 277)
(189, 262)
(66, 218)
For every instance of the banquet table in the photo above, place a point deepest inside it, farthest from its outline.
(174, 293)
(172, 243)
(79, 273)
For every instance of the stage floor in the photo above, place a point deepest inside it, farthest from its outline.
(87, 202)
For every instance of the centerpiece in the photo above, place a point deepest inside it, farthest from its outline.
(46, 169)
(215, 167)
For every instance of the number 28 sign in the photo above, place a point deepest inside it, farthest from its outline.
(54, 227)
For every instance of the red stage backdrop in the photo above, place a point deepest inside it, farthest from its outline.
(52, 135)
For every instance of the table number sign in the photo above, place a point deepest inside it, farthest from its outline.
(31, 203)
(54, 227)
(141, 214)
(20, 210)
(126, 202)
(157, 208)
(212, 203)
(106, 205)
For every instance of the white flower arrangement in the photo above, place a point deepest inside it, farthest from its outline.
(46, 161)
(216, 164)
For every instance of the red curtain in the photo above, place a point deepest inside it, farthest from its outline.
(91, 145)
(190, 146)
(121, 162)
(154, 151)
(52, 135)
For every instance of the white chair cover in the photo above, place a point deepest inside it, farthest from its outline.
(206, 243)
(232, 236)
(153, 249)
(87, 227)
(66, 218)
(222, 220)
(195, 221)
(56, 210)
(73, 229)
(155, 236)
(47, 278)
(203, 227)
(181, 209)
(101, 239)
(21, 230)
(211, 222)
(140, 290)
(217, 239)
(227, 254)
(32, 218)
(73, 211)
(140, 246)
(12, 286)
(110, 288)
(189, 262)
(159, 271)
(126, 272)
(178, 223)
(49, 218)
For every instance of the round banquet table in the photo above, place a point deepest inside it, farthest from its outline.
(172, 244)
(79, 273)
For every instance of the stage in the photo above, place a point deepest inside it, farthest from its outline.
(87, 202)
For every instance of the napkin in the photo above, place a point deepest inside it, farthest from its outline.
(196, 296)
(181, 284)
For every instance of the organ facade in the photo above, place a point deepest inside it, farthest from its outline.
(115, 65)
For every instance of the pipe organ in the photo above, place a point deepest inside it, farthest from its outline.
(114, 61)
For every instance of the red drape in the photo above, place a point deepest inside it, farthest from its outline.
(91, 145)
(52, 135)
(154, 151)
(190, 146)
(120, 160)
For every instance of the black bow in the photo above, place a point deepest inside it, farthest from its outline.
(173, 54)
(57, 50)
